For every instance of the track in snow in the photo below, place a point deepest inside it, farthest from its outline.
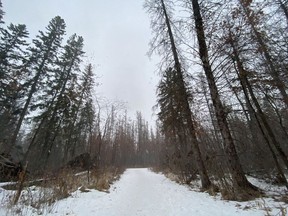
(141, 192)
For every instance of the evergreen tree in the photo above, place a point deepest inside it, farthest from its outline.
(1, 13)
(13, 74)
(171, 115)
(61, 90)
(81, 117)
(43, 56)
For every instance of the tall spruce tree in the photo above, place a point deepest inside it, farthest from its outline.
(13, 77)
(65, 100)
(172, 119)
(43, 57)
(81, 117)
(57, 109)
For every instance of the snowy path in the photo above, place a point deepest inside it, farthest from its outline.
(141, 192)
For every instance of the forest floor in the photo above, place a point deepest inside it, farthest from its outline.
(141, 192)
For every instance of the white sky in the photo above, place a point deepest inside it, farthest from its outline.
(116, 36)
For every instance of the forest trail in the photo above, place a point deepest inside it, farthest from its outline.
(141, 192)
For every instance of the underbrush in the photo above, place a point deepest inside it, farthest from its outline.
(40, 196)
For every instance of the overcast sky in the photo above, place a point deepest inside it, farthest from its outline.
(116, 34)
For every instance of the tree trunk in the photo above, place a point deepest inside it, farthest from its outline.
(57, 94)
(33, 89)
(240, 182)
(246, 85)
(242, 75)
(25, 109)
(259, 116)
(206, 183)
(211, 113)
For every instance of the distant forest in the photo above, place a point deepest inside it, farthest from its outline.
(222, 99)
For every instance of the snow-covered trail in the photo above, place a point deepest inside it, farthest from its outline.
(140, 192)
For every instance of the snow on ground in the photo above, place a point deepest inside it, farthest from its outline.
(141, 192)
(270, 189)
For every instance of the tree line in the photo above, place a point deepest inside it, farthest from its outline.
(49, 114)
(222, 97)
